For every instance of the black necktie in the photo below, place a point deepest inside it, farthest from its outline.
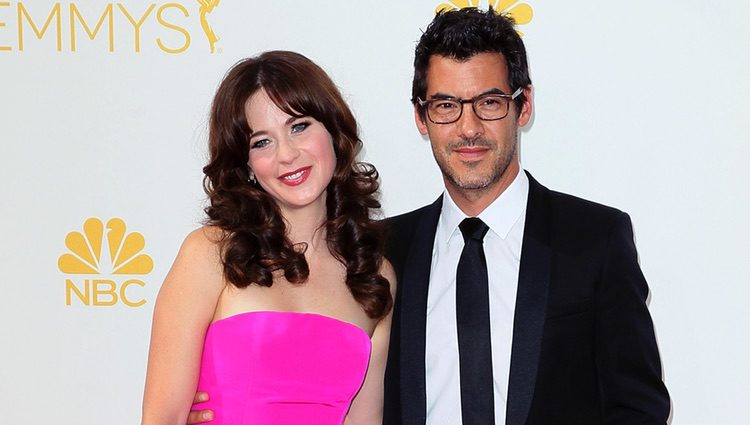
(473, 319)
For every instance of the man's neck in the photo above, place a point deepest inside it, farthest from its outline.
(473, 201)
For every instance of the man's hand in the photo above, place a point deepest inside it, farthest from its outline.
(200, 416)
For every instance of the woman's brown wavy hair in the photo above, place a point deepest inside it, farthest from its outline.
(254, 243)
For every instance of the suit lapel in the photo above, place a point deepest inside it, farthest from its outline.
(531, 304)
(414, 283)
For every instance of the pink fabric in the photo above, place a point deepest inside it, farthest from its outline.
(270, 367)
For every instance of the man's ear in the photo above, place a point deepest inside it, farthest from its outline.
(527, 108)
(421, 124)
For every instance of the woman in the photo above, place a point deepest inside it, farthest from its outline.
(280, 307)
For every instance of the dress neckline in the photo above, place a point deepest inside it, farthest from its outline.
(293, 314)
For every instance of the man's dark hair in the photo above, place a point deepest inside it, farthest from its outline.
(461, 34)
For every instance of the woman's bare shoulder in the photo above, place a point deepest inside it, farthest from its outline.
(199, 258)
(204, 242)
(387, 271)
(204, 237)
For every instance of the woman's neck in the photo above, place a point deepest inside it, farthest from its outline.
(306, 226)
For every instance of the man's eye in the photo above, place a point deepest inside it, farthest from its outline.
(491, 103)
(444, 105)
(300, 126)
(256, 144)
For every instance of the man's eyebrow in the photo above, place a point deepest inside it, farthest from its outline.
(494, 90)
(440, 95)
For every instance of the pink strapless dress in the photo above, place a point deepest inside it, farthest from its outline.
(269, 367)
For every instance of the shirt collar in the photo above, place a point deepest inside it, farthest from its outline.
(500, 215)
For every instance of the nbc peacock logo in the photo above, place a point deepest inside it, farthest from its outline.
(101, 251)
(521, 12)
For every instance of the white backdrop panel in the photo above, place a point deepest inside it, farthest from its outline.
(641, 105)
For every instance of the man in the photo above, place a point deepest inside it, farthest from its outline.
(541, 317)
(571, 340)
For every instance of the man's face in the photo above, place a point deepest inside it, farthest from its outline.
(474, 155)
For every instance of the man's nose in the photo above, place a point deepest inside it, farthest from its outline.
(470, 126)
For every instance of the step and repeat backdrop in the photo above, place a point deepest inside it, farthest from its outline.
(103, 109)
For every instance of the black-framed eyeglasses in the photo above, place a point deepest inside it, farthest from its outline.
(488, 107)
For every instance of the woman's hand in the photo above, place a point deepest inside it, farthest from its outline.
(200, 416)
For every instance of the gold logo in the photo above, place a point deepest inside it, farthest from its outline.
(87, 256)
(166, 25)
(520, 12)
(206, 7)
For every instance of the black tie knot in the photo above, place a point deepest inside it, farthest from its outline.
(473, 228)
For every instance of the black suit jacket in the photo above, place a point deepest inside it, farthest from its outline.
(584, 350)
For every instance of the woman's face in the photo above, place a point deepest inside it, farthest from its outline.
(292, 158)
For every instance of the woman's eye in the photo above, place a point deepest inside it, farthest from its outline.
(256, 144)
(300, 126)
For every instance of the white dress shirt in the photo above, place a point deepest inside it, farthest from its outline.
(502, 246)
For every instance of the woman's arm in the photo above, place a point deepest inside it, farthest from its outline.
(367, 406)
(184, 308)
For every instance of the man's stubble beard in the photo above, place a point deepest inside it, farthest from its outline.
(498, 168)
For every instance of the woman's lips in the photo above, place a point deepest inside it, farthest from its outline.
(296, 177)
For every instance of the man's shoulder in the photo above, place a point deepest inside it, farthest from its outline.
(571, 222)
(572, 207)
(407, 220)
(566, 201)
(401, 230)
